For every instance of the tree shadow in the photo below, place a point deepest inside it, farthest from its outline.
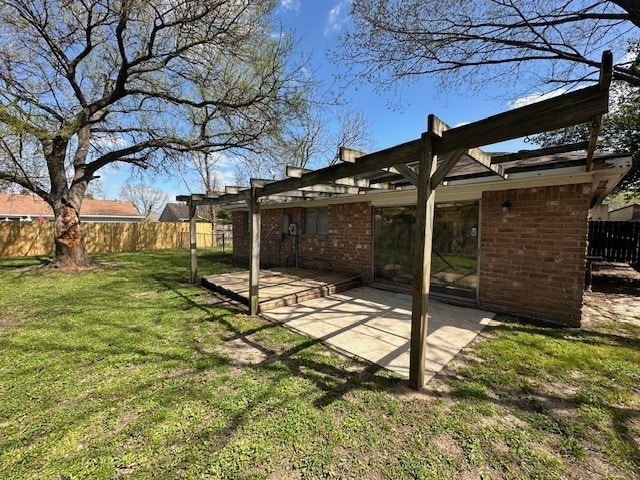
(25, 264)
(548, 407)
(299, 359)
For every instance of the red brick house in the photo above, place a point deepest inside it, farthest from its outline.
(516, 245)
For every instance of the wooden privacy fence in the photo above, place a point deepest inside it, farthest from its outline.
(615, 241)
(21, 239)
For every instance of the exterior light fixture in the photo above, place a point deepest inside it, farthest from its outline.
(506, 206)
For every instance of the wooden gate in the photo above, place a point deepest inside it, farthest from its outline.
(615, 241)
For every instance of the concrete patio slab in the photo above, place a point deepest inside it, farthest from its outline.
(376, 325)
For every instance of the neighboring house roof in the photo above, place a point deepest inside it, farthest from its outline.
(152, 217)
(18, 206)
(175, 212)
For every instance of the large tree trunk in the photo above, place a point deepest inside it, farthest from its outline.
(69, 240)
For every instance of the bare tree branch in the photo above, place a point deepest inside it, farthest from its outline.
(560, 41)
(94, 82)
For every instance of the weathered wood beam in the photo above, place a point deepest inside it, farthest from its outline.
(335, 189)
(540, 152)
(260, 182)
(292, 197)
(422, 261)
(371, 162)
(407, 173)
(296, 172)
(349, 154)
(439, 128)
(593, 141)
(234, 190)
(606, 70)
(353, 182)
(445, 167)
(606, 75)
(558, 112)
(301, 194)
(193, 253)
(484, 159)
(254, 265)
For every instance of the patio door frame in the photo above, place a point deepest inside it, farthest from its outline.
(406, 288)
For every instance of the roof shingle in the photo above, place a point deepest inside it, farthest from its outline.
(23, 205)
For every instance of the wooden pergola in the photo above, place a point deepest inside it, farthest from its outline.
(425, 164)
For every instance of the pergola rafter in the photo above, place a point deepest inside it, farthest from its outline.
(436, 153)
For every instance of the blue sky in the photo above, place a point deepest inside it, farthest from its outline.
(394, 119)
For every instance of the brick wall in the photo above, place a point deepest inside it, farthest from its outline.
(532, 258)
(346, 248)
(531, 261)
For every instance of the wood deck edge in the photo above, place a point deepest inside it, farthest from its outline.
(226, 292)
(310, 294)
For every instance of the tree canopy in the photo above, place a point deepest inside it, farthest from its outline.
(88, 83)
(471, 42)
(145, 198)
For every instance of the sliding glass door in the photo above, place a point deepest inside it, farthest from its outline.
(454, 260)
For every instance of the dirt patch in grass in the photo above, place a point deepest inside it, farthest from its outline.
(615, 296)
(242, 353)
(147, 295)
(10, 318)
(7, 323)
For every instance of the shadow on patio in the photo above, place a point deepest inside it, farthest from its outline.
(368, 323)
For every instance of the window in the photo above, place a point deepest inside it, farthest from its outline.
(316, 220)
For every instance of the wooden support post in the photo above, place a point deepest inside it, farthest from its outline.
(193, 254)
(254, 267)
(422, 261)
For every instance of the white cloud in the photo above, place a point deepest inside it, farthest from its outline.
(290, 5)
(108, 141)
(338, 17)
(460, 124)
(536, 97)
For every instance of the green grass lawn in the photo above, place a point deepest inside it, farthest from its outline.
(127, 371)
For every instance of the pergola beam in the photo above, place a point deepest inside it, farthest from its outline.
(452, 157)
(406, 173)
(569, 109)
(445, 167)
(254, 265)
(349, 155)
(585, 105)
(425, 208)
(235, 190)
(296, 172)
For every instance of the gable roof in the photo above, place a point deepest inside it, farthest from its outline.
(175, 212)
(34, 206)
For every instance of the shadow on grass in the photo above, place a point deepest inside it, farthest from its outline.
(24, 264)
(299, 360)
(551, 402)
